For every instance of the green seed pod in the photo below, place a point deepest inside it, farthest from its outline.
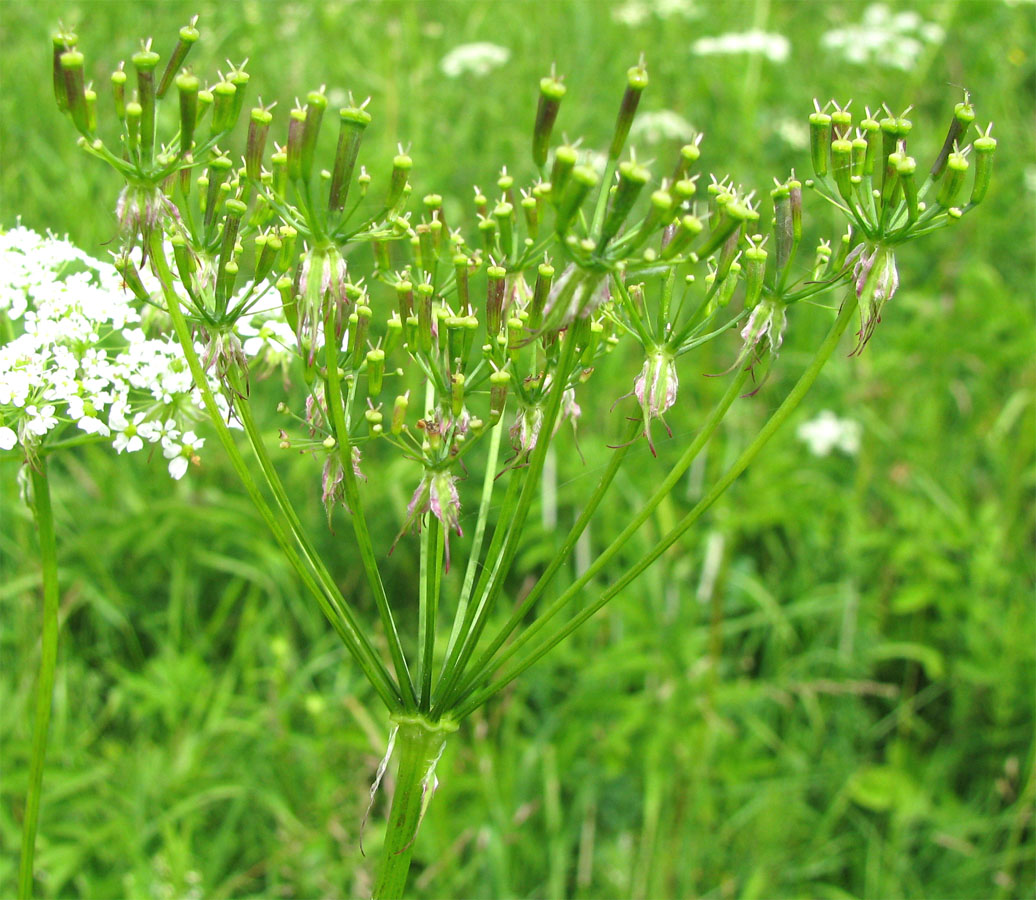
(188, 37)
(289, 238)
(984, 148)
(544, 278)
(457, 394)
(296, 126)
(223, 107)
(62, 42)
(755, 270)
(551, 92)
(905, 168)
(636, 81)
(956, 170)
(841, 123)
(289, 301)
(118, 82)
(399, 408)
(495, 299)
(145, 61)
(503, 213)
(258, 128)
(405, 298)
(819, 142)
(487, 231)
(782, 224)
(688, 156)
(401, 166)
(375, 371)
(963, 116)
(131, 277)
(239, 78)
(530, 209)
(498, 384)
(393, 334)
(72, 65)
(516, 337)
(353, 122)
(841, 164)
(632, 178)
(187, 87)
(583, 179)
(565, 158)
(687, 229)
(267, 252)
(316, 104)
(374, 419)
(425, 337)
(871, 130)
(460, 269)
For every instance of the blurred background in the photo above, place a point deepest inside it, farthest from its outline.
(826, 690)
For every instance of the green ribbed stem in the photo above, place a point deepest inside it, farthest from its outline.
(420, 744)
(48, 661)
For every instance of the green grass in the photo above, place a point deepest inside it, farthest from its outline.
(846, 712)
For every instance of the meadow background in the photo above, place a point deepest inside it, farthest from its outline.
(828, 690)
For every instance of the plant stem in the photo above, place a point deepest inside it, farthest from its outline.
(488, 483)
(45, 680)
(518, 616)
(775, 421)
(431, 581)
(244, 413)
(336, 414)
(344, 627)
(486, 664)
(420, 745)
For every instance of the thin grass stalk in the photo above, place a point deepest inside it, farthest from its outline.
(44, 516)
(775, 421)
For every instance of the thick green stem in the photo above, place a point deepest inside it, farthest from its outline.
(420, 744)
(775, 421)
(45, 681)
(432, 544)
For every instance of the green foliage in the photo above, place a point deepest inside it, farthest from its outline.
(827, 691)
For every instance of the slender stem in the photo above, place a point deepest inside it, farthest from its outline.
(420, 745)
(488, 483)
(668, 483)
(495, 582)
(330, 587)
(350, 636)
(336, 414)
(490, 565)
(45, 680)
(432, 543)
(518, 616)
(775, 421)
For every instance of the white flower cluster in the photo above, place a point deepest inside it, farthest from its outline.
(827, 432)
(73, 352)
(636, 12)
(775, 47)
(884, 38)
(474, 59)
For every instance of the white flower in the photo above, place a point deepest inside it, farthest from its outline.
(827, 432)
(636, 12)
(474, 59)
(883, 38)
(775, 47)
(8, 438)
(180, 455)
(661, 125)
